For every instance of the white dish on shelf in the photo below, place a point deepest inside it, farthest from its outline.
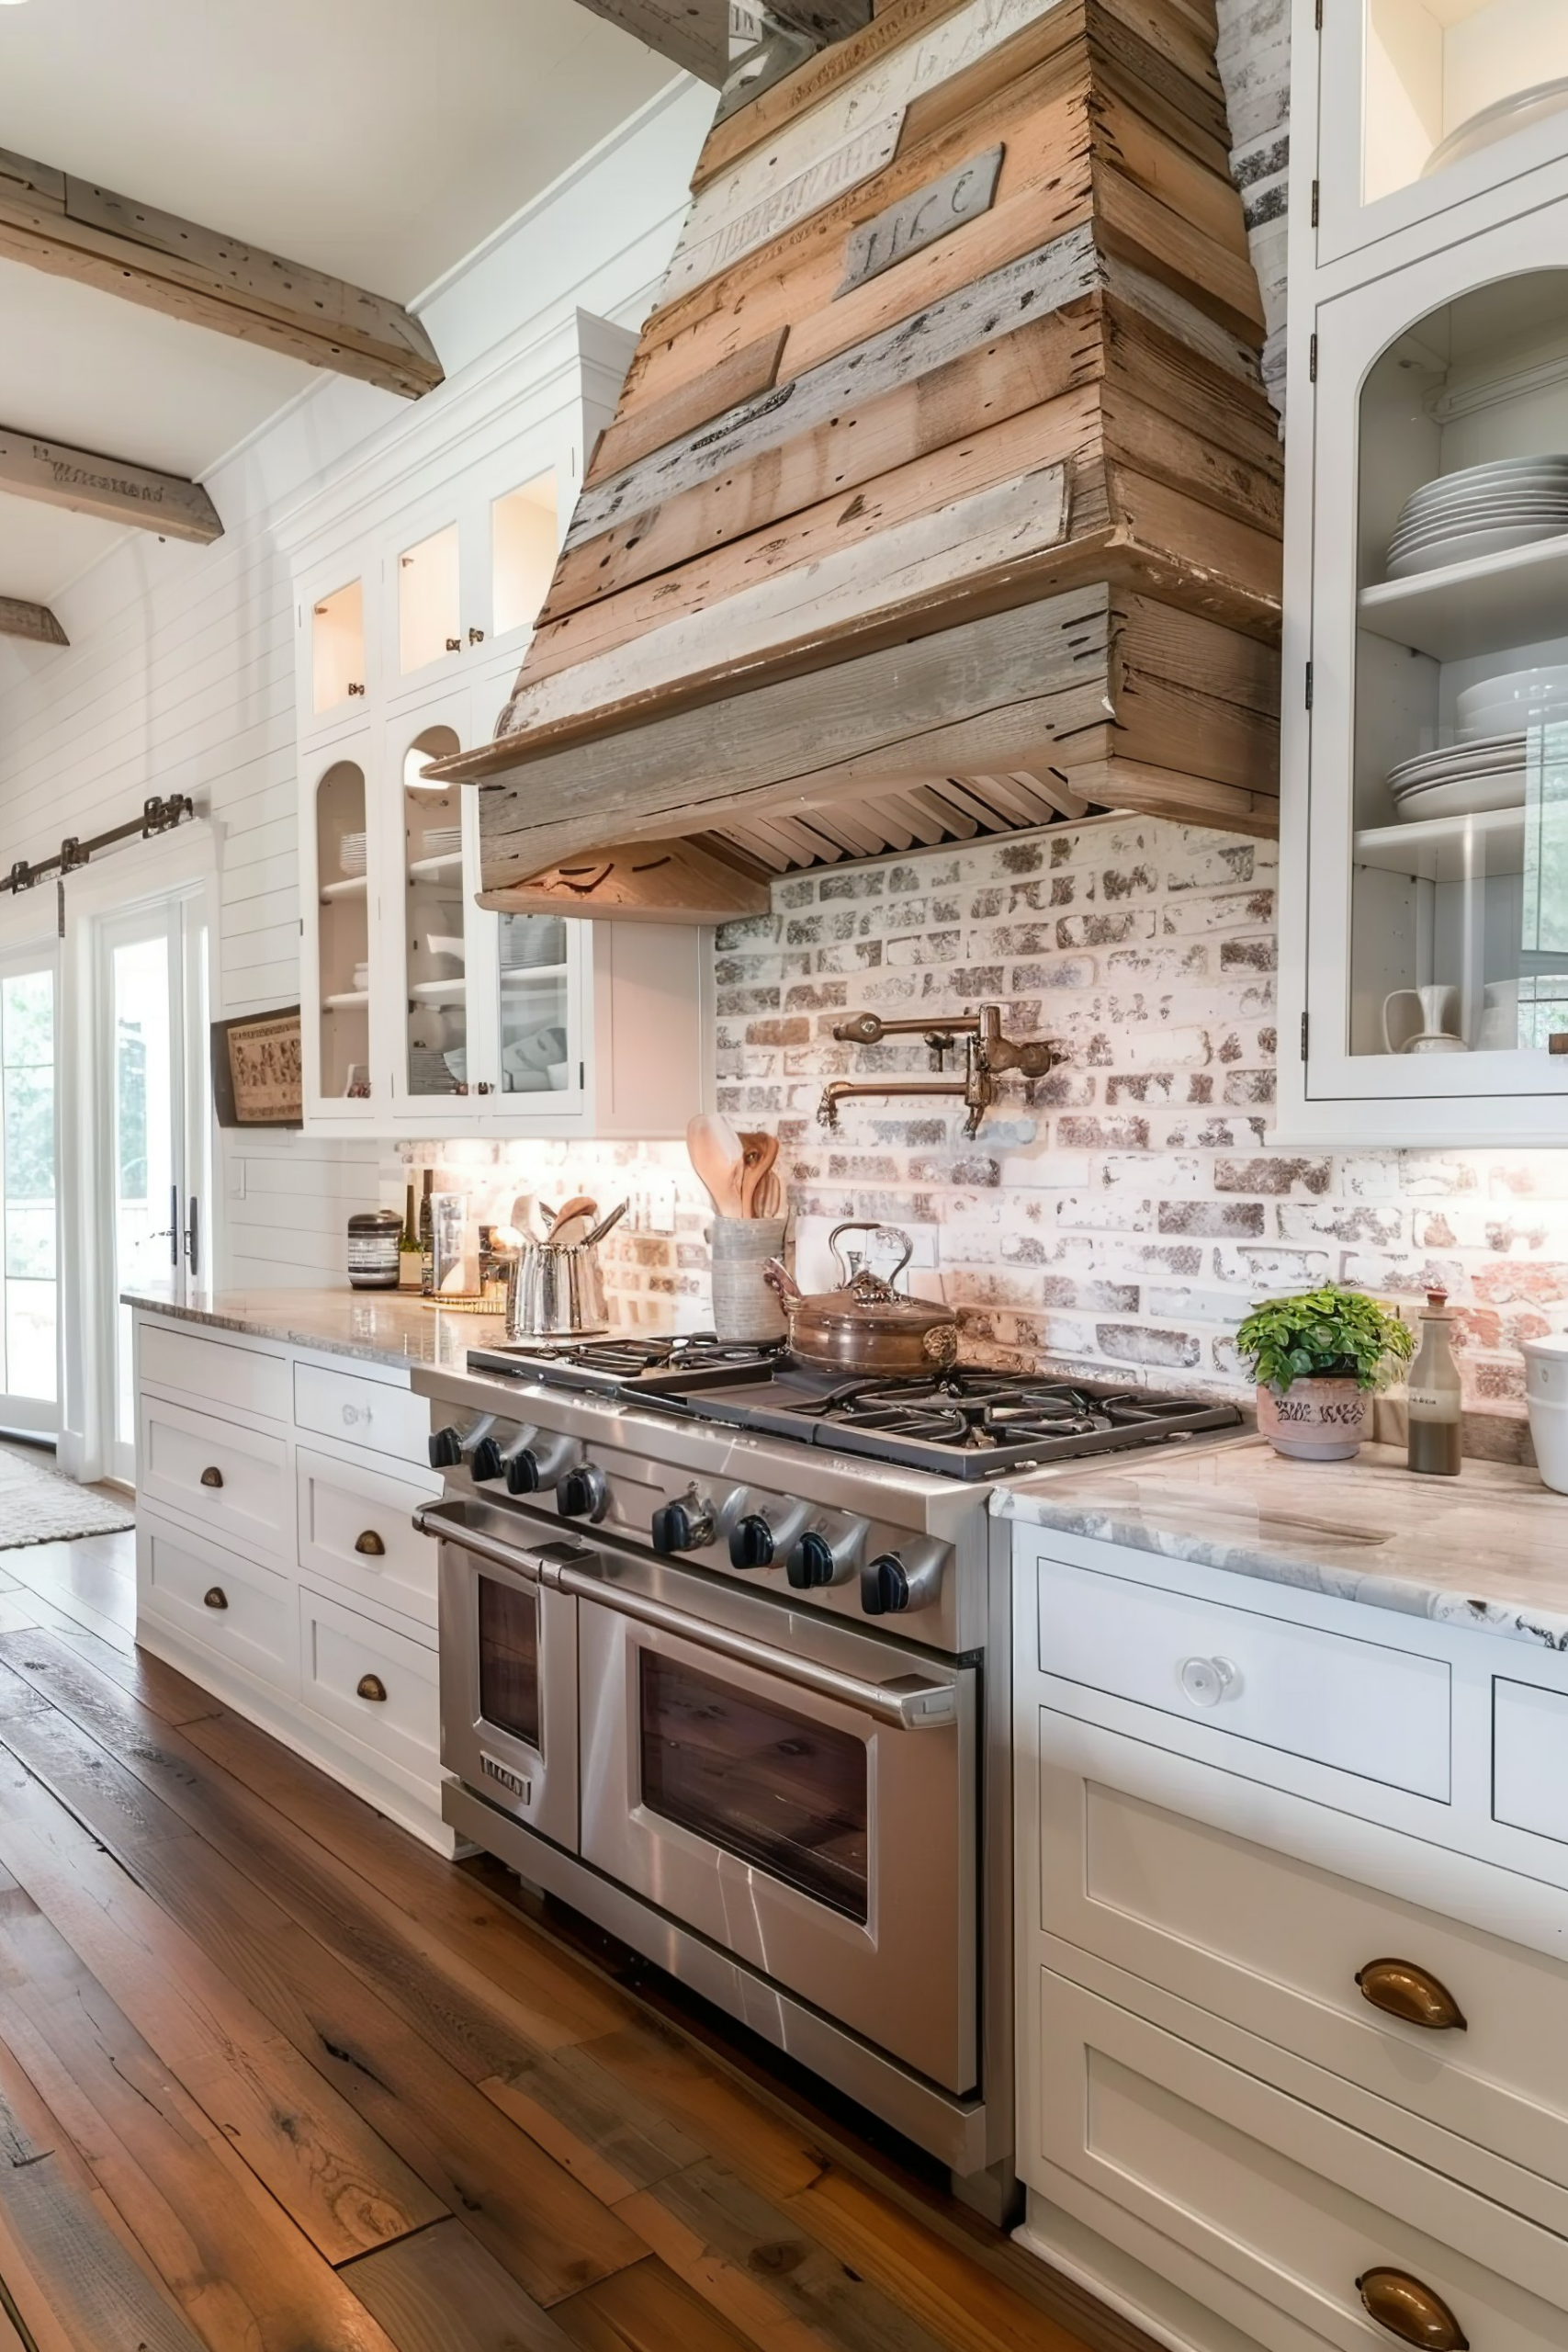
(1518, 698)
(1457, 758)
(1518, 111)
(1469, 526)
(1465, 547)
(1472, 796)
(558, 1074)
(444, 943)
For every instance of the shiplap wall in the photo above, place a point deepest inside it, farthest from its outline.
(179, 675)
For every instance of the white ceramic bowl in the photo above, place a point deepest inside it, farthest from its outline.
(1546, 1394)
(1516, 699)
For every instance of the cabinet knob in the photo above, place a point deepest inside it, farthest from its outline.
(212, 1476)
(1413, 2313)
(370, 1544)
(1207, 1681)
(370, 1686)
(454, 645)
(215, 1598)
(1411, 1992)
(357, 686)
(475, 637)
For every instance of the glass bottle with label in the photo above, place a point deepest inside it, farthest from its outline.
(1434, 1392)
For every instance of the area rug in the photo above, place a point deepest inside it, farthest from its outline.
(39, 1505)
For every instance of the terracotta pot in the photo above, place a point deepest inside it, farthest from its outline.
(1318, 1418)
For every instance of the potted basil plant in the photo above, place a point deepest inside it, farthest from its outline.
(1318, 1357)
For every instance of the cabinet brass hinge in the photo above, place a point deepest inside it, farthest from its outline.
(1303, 1036)
(1312, 361)
(1308, 695)
(1315, 204)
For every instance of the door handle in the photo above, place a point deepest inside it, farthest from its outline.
(215, 1598)
(1406, 1991)
(193, 1236)
(1414, 2313)
(370, 1543)
(370, 1686)
(212, 1476)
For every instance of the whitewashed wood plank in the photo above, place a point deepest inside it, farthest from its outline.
(918, 219)
(1014, 296)
(856, 584)
(697, 259)
(885, 87)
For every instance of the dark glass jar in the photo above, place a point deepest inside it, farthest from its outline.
(373, 1243)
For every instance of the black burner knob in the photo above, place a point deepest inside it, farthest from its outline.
(522, 1472)
(682, 1527)
(811, 1564)
(752, 1544)
(578, 1494)
(884, 1586)
(445, 1450)
(486, 1460)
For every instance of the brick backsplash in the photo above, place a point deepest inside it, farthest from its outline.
(1121, 1222)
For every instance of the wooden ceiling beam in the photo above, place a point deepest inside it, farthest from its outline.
(71, 229)
(106, 487)
(691, 33)
(34, 623)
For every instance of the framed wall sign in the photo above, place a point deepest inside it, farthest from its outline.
(258, 1072)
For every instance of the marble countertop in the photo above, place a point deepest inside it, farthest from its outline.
(1487, 1549)
(380, 1326)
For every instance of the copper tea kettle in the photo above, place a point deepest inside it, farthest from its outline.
(867, 1326)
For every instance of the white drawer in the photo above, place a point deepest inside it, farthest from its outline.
(1529, 1758)
(1358, 1706)
(356, 1528)
(378, 1686)
(218, 1371)
(1276, 1947)
(230, 1478)
(376, 1413)
(1288, 2203)
(242, 1612)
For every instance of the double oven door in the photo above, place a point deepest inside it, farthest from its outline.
(800, 1793)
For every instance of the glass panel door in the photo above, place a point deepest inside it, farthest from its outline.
(343, 935)
(436, 924)
(156, 1126)
(29, 1370)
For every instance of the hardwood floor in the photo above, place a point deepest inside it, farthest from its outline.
(273, 2078)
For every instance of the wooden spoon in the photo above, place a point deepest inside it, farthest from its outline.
(758, 1153)
(715, 1149)
(769, 1198)
(573, 1220)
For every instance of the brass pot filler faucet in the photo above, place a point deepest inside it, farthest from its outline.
(987, 1055)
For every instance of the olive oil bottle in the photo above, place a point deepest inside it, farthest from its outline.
(1434, 1394)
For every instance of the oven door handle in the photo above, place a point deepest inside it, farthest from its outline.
(906, 1703)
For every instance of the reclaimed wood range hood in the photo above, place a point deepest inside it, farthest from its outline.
(942, 497)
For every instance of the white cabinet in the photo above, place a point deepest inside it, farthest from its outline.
(422, 1012)
(1425, 865)
(276, 1559)
(1282, 2023)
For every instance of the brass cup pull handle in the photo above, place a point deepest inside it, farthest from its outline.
(1406, 1991)
(1417, 2314)
(370, 1686)
(212, 1476)
(370, 1544)
(215, 1598)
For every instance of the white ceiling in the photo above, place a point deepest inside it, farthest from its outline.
(381, 140)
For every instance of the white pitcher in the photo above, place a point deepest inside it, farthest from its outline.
(1423, 1021)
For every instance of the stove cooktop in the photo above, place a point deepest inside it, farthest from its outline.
(964, 1423)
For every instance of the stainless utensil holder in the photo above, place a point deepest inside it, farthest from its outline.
(556, 1292)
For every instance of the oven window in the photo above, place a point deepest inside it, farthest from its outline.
(775, 1788)
(509, 1659)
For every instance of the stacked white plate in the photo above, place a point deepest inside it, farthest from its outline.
(1520, 698)
(1479, 510)
(352, 853)
(1464, 780)
(443, 841)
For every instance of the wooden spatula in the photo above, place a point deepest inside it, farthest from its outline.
(573, 1220)
(715, 1149)
(758, 1153)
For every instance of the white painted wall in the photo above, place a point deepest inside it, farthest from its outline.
(179, 675)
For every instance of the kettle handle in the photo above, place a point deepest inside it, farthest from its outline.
(869, 1225)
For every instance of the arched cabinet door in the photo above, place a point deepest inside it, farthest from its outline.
(1436, 896)
(338, 884)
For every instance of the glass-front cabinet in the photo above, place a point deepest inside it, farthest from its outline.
(1427, 104)
(466, 573)
(337, 887)
(1438, 931)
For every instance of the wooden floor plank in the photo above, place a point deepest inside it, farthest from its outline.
(161, 1689)
(335, 2178)
(763, 2271)
(662, 2071)
(70, 2276)
(647, 2308)
(442, 2292)
(607, 2138)
(550, 2234)
(244, 2274)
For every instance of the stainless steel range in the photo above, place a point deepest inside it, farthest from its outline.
(724, 1665)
